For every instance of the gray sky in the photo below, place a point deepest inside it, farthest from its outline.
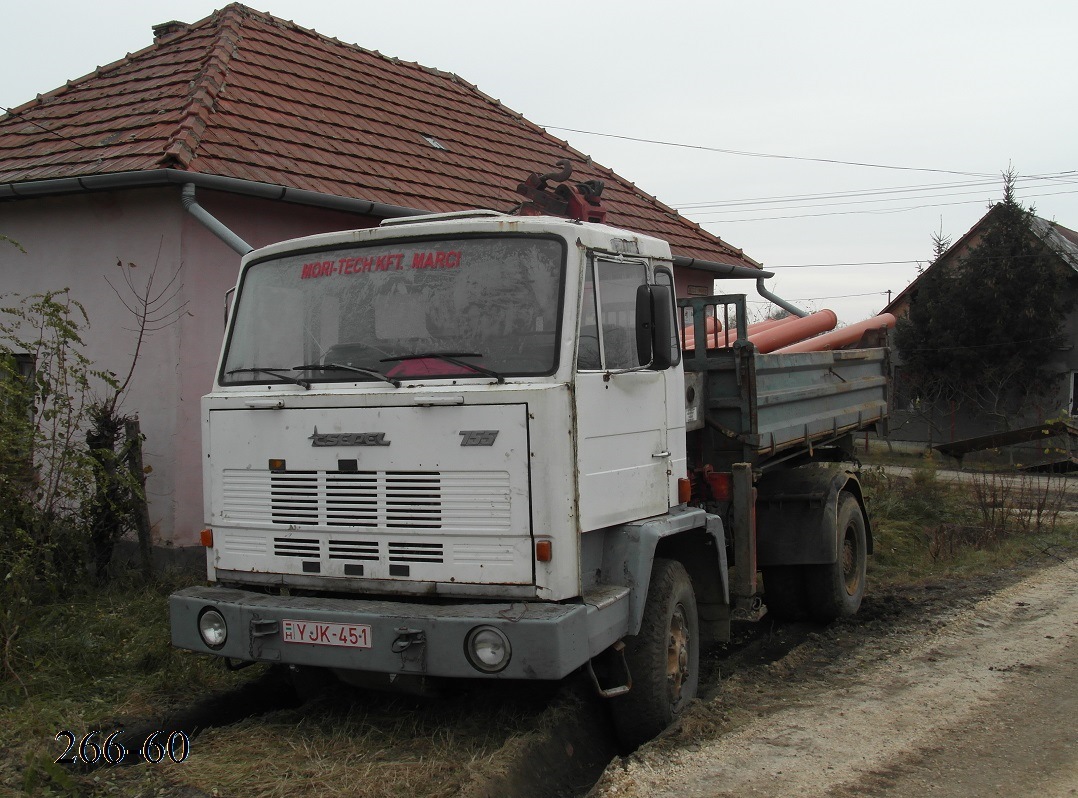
(954, 92)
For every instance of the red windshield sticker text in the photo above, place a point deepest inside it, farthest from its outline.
(437, 259)
(356, 265)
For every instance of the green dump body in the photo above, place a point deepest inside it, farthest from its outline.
(763, 408)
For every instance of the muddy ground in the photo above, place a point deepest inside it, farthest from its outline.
(955, 688)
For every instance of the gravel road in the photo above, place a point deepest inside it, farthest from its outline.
(976, 697)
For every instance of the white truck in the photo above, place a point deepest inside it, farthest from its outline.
(470, 446)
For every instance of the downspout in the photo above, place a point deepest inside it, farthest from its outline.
(782, 303)
(730, 270)
(215, 226)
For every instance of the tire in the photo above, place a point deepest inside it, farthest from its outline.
(835, 591)
(663, 659)
(784, 592)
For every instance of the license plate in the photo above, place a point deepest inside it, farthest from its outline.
(350, 635)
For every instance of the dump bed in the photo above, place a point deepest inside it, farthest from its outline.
(753, 407)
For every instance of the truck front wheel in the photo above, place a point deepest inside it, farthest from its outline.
(663, 659)
(836, 590)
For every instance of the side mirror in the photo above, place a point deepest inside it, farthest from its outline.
(654, 326)
(662, 327)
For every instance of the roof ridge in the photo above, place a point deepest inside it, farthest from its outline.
(181, 148)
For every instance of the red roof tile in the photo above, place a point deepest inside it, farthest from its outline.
(243, 94)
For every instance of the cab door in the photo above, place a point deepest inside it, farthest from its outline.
(621, 419)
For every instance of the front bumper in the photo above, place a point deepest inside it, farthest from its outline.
(548, 641)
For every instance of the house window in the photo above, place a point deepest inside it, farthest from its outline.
(15, 365)
(16, 368)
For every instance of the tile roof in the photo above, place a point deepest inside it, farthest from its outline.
(246, 95)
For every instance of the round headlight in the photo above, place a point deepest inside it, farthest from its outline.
(212, 627)
(487, 649)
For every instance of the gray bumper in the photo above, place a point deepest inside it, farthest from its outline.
(548, 641)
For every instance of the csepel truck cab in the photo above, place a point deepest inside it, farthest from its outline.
(455, 447)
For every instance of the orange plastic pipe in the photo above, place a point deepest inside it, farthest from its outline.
(839, 338)
(712, 326)
(767, 324)
(752, 329)
(801, 328)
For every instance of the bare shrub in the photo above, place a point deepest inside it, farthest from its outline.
(1018, 503)
(1004, 506)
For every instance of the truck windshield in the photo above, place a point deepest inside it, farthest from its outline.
(491, 301)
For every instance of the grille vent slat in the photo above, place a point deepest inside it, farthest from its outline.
(369, 500)
(357, 499)
(416, 552)
(297, 547)
(359, 550)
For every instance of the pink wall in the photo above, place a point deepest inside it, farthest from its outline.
(684, 278)
(75, 241)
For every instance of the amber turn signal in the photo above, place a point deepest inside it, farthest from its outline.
(544, 550)
(684, 490)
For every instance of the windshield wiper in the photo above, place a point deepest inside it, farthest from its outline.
(449, 357)
(341, 367)
(276, 372)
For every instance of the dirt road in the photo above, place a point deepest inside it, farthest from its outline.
(975, 698)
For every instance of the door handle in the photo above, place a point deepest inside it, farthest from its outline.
(264, 404)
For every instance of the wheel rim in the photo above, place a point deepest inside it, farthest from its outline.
(851, 574)
(677, 655)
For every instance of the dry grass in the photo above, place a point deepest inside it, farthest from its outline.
(926, 526)
(104, 659)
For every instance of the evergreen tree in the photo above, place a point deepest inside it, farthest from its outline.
(982, 330)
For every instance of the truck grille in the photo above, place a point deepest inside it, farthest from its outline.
(350, 550)
(475, 502)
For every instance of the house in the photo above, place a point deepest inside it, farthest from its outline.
(913, 418)
(276, 131)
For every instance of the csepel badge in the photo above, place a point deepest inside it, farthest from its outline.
(348, 438)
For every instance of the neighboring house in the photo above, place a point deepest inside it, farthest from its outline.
(277, 131)
(913, 420)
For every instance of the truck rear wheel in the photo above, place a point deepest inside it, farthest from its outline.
(663, 659)
(835, 591)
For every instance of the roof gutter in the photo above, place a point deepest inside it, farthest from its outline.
(163, 177)
(720, 270)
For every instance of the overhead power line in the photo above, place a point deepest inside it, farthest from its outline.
(859, 263)
(747, 154)
(46, 129)
(868, 195)
(877, 211)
